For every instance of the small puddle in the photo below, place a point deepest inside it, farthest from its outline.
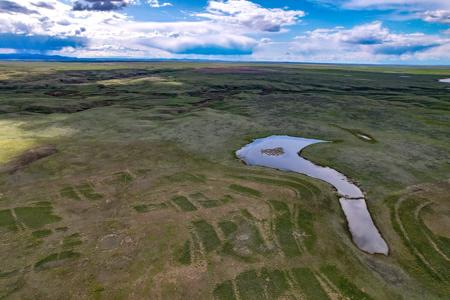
(446, 80)
(365, 137)
(283, 153)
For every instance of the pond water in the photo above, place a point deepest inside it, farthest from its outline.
(364, 232)
(446, 80)
(283, 153)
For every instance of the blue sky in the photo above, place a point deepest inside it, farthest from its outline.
(334, 31)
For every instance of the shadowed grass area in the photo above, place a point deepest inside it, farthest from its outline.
(183, 176)
(7, 220)
(36, 217)
(276, 283)
(88, 191)
(224, 291)
(207, 235)
(41, 233)
(228, 227)
(305, 223)
(204, 201)
(184, 256)
(70, 193)
(309, 284)
(209, 203)
(72, 240)
(142, 208)
(56, 259)
(250, 286)
(183, 203)
(244, 190)
(284, 229)
(284, 233)
(345, 286)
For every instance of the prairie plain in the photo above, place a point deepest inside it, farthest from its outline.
(120, 181)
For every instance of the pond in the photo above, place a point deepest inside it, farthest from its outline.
(283, 153)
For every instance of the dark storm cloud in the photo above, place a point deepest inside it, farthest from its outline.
(12, 7)
(100, 5)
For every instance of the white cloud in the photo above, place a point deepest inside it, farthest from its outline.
(368, 43)
(226, 27)
(7, 51)
(247, 14)
(397, 4)
(433, 11)
(437, 16)
(156, 4)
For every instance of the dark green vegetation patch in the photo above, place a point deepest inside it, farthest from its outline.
(142, 208)
(250, 285)
(207, 235)
(185, 254)
(55, 260)
(41, 233)
(345, 286)
(72, 240)
(7, 220)
(183, 203)
(245, 190)
(228, 227)
(70, 193)
(87, 190)
(309, 284)
(224, 291)
(35, 217)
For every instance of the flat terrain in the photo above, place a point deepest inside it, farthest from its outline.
(119, 181)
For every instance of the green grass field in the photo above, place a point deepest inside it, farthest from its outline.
(144, 197)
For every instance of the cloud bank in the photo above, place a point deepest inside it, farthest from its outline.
(367, 43)
(229, 29)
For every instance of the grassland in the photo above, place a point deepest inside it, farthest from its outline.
(143, 197)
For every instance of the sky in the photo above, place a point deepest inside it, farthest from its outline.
(321, 31)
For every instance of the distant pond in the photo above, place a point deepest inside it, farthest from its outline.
(283, 153)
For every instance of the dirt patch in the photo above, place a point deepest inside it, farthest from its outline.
(27, 158)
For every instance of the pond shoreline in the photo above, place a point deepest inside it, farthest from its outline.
(365, 234)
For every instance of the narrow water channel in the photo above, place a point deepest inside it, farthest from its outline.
(283, 153)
